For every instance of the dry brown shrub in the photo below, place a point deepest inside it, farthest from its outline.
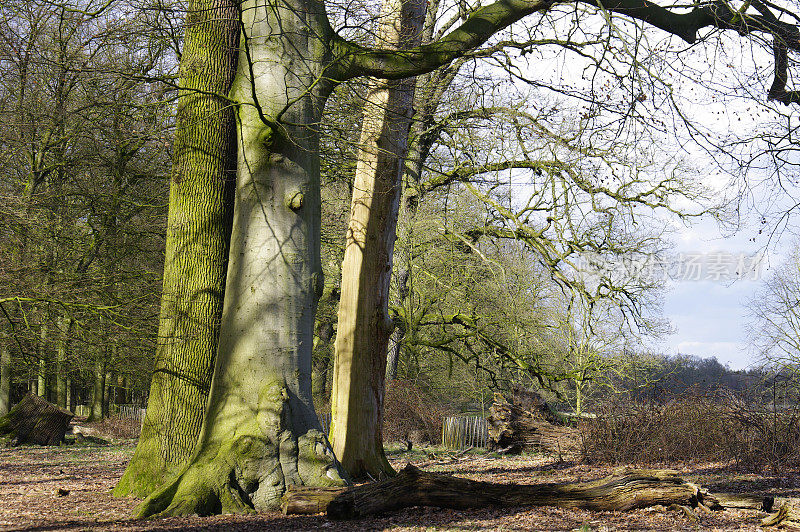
(412, 413)
(117, 427)
(715, 427)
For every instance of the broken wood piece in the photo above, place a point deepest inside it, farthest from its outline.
(34, 420)
(301, 500)
(413, 487)
(746, 501)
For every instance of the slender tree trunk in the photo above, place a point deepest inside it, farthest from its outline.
(260, 431)
(322, 361)
(41, 376)
(65, 324)
(5, 380)
(41, 379)
(396, 341)
(70, 395)
(364, 323)
(122, 390)
(198, 234)
(98, 387)
(108, 388)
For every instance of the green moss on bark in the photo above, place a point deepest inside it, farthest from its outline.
(245, 467)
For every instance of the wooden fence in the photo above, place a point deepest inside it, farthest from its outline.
(120, 411)
(131, 412)
(460, 432)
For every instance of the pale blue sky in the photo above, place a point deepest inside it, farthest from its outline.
(710, 317)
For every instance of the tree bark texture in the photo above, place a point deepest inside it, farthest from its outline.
(260, 432)
(5, 380)
(198, 234)
(364, 324)
(98, 390)
(413, 487)
(35, 420)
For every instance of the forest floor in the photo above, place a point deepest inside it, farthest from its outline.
(69, 488)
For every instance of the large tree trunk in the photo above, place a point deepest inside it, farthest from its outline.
(364, 324)
(35, 420)
(5, 380)
(198, 233)
(260, 431)
(413, 487)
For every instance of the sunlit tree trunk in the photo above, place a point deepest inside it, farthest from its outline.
(260, 431)
(364, 324)
(198, 233)
(41, 375)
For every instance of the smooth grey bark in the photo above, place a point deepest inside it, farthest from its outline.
(260, 432)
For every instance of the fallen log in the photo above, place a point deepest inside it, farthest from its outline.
(413, 487)
(83, 434)
(34, 420)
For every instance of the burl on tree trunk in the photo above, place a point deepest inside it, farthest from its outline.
(413, 487)
(34, 420)
(524, 420)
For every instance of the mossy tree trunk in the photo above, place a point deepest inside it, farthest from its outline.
(198, 233)
(260, 431)
(364, 324)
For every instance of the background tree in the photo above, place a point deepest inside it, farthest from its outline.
(775, 332)
(81, 171)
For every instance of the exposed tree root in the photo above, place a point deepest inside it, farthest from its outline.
(247, 466)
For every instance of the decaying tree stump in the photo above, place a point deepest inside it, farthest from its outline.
(34, 420)
(413, 487)
(525, 421)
